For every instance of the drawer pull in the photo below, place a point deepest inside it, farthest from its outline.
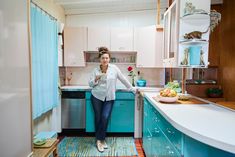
(170, 131)
(157, 130)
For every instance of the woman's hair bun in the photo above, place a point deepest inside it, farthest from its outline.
(100, 49)
(103, 50)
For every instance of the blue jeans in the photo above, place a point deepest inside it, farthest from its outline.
(102, 111)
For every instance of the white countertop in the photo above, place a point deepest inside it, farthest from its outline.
(208, 123)
(84, 87)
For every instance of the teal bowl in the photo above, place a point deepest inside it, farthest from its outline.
(141, 83)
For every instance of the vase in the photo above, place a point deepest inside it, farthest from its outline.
(133, 81)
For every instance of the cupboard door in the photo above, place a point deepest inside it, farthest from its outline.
(148, 44)
(161, 146)
(122, 39)
(90, 118)
(75, 42)
(122, 117)
(98, 37)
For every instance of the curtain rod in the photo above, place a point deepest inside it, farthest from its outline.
(53, 18)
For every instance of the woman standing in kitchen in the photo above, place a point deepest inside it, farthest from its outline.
(103, 82)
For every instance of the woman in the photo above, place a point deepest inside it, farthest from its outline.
(103, 82)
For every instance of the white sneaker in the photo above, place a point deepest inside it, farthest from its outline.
(99, 146)
(104, 144)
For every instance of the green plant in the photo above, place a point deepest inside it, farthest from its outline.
(173, 85)
(214, 92)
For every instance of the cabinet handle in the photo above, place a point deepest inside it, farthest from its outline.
(157, 130)
(170, 151)
(170, 131)
(121, 48)
(157, 120)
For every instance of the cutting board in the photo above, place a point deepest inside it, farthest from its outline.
(191, 101)
(228, 104)
(48, 144)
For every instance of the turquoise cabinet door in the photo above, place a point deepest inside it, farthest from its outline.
(90, 118)
(90, 121)
(122, 117)
(175, 136)
(161, 146)
(147, 136)
(145, 127)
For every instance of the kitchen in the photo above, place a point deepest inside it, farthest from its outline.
(117, 25)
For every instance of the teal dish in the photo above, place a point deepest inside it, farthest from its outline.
(141, 83)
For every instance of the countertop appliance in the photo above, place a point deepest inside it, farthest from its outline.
(73, 110)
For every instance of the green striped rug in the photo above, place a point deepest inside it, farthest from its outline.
(85, 146)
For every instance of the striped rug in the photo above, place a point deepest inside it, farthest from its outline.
(85, 146)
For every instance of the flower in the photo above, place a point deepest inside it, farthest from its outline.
(131, 74)
(129, 68)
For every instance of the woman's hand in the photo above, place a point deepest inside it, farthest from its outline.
(97, 78)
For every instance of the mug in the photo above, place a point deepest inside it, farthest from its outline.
(194, 55)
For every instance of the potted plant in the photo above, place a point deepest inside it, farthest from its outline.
(214, 92)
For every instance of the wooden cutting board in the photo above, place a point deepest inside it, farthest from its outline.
(229, 104)
(191, 101)
(48, 144)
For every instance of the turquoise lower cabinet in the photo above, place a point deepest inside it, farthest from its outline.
(194, 148)
(155, 141)
(161, 139)
(122, 117)
(161, 146)
(169, 131)
(90, 127)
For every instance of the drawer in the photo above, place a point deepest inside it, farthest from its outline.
(171, 133)
(161, 146)
(119, 95)
(125, 95)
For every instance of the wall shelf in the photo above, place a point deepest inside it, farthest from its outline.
(194, 42)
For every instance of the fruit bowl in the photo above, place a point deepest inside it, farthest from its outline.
(167, 99)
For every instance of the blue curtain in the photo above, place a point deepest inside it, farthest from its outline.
(44, 35)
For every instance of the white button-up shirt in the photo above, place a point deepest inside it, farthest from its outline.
(106, 86)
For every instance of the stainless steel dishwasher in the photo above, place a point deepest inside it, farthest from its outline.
(73, 110)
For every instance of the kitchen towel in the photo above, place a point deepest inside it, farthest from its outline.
(86, 146)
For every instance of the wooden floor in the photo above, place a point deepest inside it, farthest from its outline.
(140, 150)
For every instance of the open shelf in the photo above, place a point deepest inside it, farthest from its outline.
(95, 63)
(194, 42)
(196, 16)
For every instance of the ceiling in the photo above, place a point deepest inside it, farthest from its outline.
(104, 6)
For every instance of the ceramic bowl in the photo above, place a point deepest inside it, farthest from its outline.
(141, 83)
(167, 99)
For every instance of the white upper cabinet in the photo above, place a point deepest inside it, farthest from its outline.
(186, 34)
(75, 43)
(98, 37)
(122, 39)
(148, 44)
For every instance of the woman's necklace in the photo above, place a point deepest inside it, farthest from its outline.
(103, 69)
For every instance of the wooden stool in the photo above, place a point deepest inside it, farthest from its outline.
(45, 150)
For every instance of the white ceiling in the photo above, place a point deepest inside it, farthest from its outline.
(103, 6)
